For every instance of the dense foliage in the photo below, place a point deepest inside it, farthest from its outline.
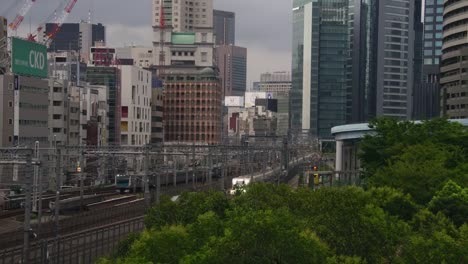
(413, 209)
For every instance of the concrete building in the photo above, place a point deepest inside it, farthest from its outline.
(78, 114)
(157, 112)
(454, 61)
(76, 36)
(141, 56)
(31, 123)
(66, 65)
(224, 24)
(232, 65)
(188, 38)
(184, 16)
(396, 58)
(277, 85)
(192, 106)
(3, 44)
(135, 124)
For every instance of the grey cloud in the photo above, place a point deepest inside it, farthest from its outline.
(263, 26)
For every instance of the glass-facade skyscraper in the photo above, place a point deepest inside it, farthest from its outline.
(353, 61)
(320, 48)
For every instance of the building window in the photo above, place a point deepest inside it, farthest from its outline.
(10, 121)
(57, 117)
(10, 104)
(204, 37)
(204, 56)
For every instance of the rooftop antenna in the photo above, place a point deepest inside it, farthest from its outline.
(89, 16)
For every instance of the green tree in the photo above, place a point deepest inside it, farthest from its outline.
(415, 156)
(262, 236)
(420, 170)
(394, 202)
(350, 224)
(186, 209)
(167, 245)
(452, 200)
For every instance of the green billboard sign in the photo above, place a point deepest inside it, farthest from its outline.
(28, 58)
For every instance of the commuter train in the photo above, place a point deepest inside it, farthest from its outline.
(239, 183)
(130, 183)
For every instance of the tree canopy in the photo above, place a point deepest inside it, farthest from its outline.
(412, 209)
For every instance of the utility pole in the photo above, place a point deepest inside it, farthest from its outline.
(58, 171)
(210, 168)
(174, 165)
(193, 165)
(145, 178)
(186, 169)
(158, 187)
(27, 210)
(39, 173)
(36, 178)
(81, 179)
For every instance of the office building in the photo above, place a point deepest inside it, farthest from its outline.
(426, 94)
(192, 106)
(232, 65)
(353, 61)
(187, 42)
(141, 56)
(320, 45)
(224, 24)
(135, 124)
(185, 62)
(31, 124)
(110, 78)
(3, 44)
(433, 29)
(454, 61)
(76, 36)
(157, 115)
(78, 114)
(277, 85)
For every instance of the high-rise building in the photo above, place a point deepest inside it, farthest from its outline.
(3, 44)
(454, 61)
(192, 106)
(426, 94)
(395, 60)
(76, 36)
(224, 27)
(232, 65)
(193, 95)
(188, 33)
(352, 61)
(432, 49)
(320, 48)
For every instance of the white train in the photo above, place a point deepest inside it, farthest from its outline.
(240, 182)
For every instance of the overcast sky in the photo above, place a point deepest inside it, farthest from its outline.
(262, 26)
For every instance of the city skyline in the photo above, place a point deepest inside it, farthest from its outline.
(268, 50)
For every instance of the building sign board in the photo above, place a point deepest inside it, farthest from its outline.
(28, 58)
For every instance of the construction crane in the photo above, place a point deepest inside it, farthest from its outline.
(21, 14)
(58, 22)
(162, 40)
